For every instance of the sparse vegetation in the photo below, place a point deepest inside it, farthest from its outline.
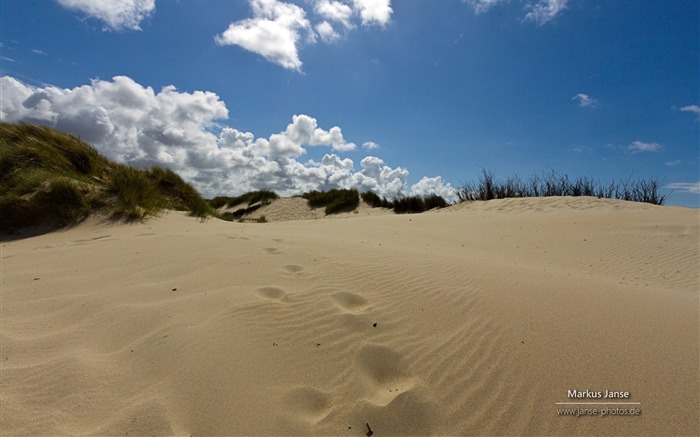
(53, 178)
(335, 200)
(487, 187)
(261, 219)
(260, 196)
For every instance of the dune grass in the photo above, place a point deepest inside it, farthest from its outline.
(405, 204)
(52, 178)
(373, 200)
(335, 200)
(488, 187)
(259, 196)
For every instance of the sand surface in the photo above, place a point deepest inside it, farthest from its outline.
(473, 320)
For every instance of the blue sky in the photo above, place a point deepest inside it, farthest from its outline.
(395, 96)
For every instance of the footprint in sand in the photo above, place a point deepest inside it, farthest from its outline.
(307, 403)
(349, 302)
(272, 250)
(272, 293)
(394, 394)
(384, 373)
(293, 268)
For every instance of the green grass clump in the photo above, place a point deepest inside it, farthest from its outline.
(179, 195)
(53, 178)
(264, 197)
(406, 204)
(411, 205)
(434, 201)
(373, 200)
(335, 200)
(136, 195)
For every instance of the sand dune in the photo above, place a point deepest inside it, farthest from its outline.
(473, 320)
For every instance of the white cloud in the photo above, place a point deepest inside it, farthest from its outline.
(335, 11)
(672, 163)
(273, 32)
(374, 11)
(304, 130)
(481, 6)
(370, 145)
(427, 186)
(691, 108)
(539, 11)
(116, 14)
(639, 146)
(543, 11)
(685, 187)
(695, 109)
(326, 32)
(134, 124)
(585, 101)
(278, 29)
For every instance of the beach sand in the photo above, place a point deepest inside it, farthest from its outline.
(477, 319)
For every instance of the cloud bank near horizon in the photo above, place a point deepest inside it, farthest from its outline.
(133, 124)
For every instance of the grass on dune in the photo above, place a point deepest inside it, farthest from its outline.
(52, 178)
(488, 187)
(335, 200)
(259, 196)
(406, 204)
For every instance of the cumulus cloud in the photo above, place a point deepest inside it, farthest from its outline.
(585, 101)
(427, 186)
(335, 11)
(278, 29)
(273, 32)
(685, 187)
(116, 14)
(138, 125)
(481, 6)
(370, 145)
(640, 146)
(374, 11)
(543, 11)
